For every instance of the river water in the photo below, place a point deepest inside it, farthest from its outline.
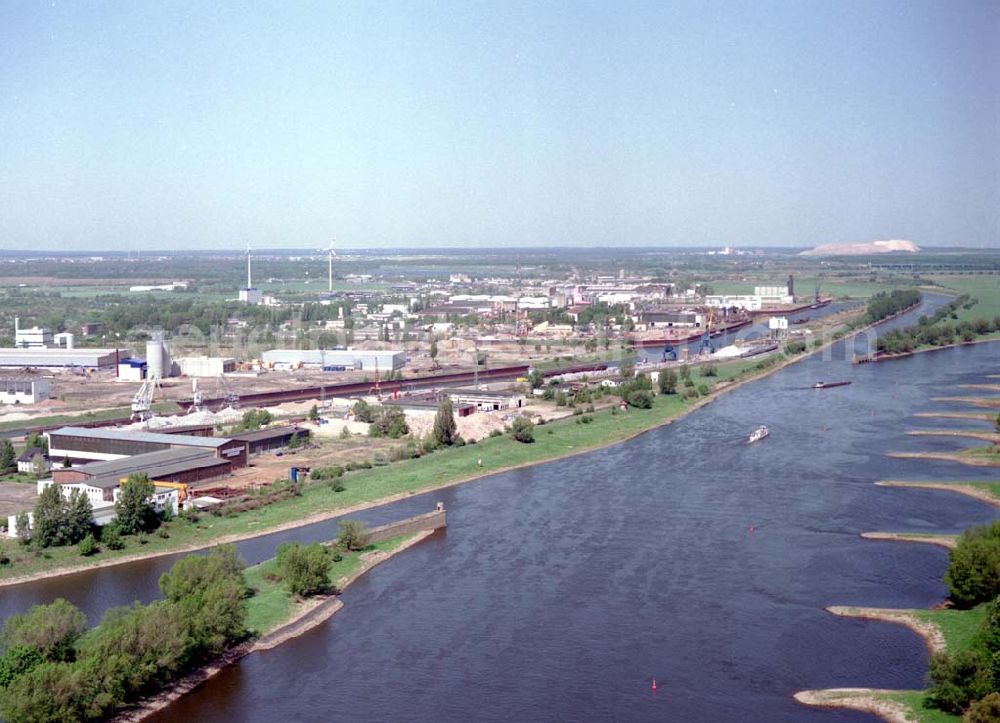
(559, 592)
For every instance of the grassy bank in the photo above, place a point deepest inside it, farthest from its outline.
(367, 487)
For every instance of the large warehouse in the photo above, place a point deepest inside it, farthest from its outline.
(88, 444)
(168, 465)
(334, 359)
(59, 358)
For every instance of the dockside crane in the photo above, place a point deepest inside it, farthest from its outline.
(706, 340)
(142, 402)
(230, 396)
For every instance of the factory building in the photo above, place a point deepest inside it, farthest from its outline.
(23, 389)
(205, 366)
(746, 302)
(686, 318)
(131, 370)
(31, 337)
(266, 440)
(169, 465)
(487, 401)
(90, 444)
(774, 294)
(429, 406)
(336, 359)
(59, 358)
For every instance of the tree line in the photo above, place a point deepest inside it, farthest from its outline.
(53, 669)
(968, 681)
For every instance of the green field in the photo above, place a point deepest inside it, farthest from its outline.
(986, 289)
(271, 604)
(958, 626)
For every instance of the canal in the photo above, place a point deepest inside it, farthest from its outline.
(559, 592)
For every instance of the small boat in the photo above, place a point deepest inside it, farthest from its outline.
(827, 385)
(758, 434)
(802, 320)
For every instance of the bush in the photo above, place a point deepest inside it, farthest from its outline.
(325, 473)
(795, 347)
(353, 535)
(496, 433)
(710, 370)
(703, 390)
(986, 710)
(304, 569)
(523, 430)
(640, 399)
(957, 680)
(111, 537)
(87, 546)
(973, 574)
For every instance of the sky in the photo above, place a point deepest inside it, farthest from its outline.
(172, 125)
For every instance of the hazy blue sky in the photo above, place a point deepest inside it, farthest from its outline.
(189, 124)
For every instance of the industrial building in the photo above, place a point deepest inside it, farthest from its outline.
(336, 359)
(686, 318)
(266, 440)
(206, 366)
(488, 401)
(746, 302)
(411, 404)
(774, 294)
(31, 337)
(23, 389)
(187, 465)
(59, 358)
(98, 444)
(131, 370)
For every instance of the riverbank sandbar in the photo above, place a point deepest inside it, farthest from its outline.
(948, 541)
(866, 700)
(962, 488)
(956, 457)
(931, 633)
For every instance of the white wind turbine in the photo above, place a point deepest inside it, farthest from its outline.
(331, 253)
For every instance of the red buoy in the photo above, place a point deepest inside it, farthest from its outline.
(654, 683)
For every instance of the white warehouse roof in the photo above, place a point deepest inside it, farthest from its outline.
(57, 357)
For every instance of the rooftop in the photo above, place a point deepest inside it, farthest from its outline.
(155, 464)
(152, 437)
(270, 433)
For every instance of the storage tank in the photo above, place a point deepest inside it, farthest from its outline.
(154, 359)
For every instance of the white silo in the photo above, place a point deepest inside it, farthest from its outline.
(154, 359)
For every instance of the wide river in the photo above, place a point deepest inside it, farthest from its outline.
(559, 592)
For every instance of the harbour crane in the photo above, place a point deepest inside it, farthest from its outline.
(197, 397)
(706, 340)
(229, 395)
(142, 402)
